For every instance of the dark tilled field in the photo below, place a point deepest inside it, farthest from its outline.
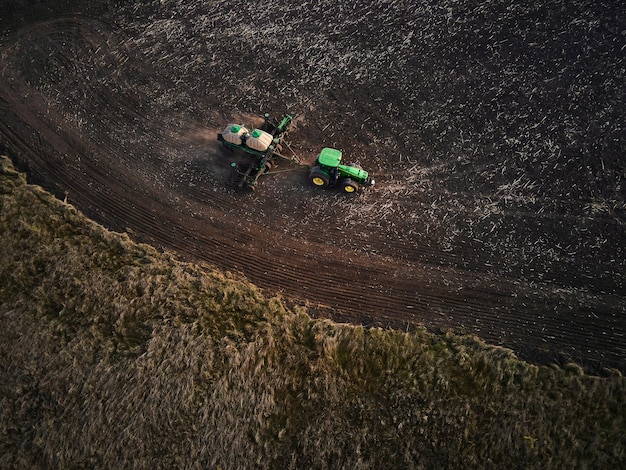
(495, 131)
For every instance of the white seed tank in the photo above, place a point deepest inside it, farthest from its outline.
(233, 133)
(259, 140)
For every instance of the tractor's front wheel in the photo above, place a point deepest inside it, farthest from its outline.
(349, 186)
(318, 177)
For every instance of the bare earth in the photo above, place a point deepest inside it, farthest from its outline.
(495, 133)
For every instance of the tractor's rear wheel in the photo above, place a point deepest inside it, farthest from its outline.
(318, 177)
(349, 186)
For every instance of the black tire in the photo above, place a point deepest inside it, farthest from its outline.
(318, 178)
(349, 186)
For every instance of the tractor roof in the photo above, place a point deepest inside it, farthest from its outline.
(329, 157)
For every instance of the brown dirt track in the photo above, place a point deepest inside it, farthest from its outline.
(498, 153)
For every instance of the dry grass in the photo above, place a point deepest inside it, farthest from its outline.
(113, 355)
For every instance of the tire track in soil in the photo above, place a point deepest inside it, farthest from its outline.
(124, 170)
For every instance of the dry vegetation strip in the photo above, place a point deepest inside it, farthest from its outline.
(113, 355)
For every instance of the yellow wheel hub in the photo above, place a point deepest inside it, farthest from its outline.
(349, 189)
(317, 181)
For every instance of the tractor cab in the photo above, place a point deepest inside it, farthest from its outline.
(328, 161)
(329, 157)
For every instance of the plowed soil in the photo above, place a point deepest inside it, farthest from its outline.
(495, 133)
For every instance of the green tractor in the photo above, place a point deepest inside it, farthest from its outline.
(328, 171)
